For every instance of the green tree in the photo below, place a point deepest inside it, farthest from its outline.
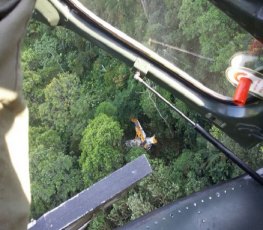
(60, 95)
(106, 108)
(100, 148)
(55, 177)
(66, 108)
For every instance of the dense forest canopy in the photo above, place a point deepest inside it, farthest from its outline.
(81, 100)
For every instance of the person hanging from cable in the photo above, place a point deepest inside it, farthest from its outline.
(140, 139)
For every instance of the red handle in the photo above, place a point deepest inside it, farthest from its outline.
(242, 90)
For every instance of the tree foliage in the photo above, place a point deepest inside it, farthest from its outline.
(100, 148)
(81, 100)
(55, 177)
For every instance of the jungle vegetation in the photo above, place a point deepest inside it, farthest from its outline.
(81, 100)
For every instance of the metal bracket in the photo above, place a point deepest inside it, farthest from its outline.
(46, 12)
(142, 65)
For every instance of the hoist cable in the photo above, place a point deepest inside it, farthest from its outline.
(227, 152)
